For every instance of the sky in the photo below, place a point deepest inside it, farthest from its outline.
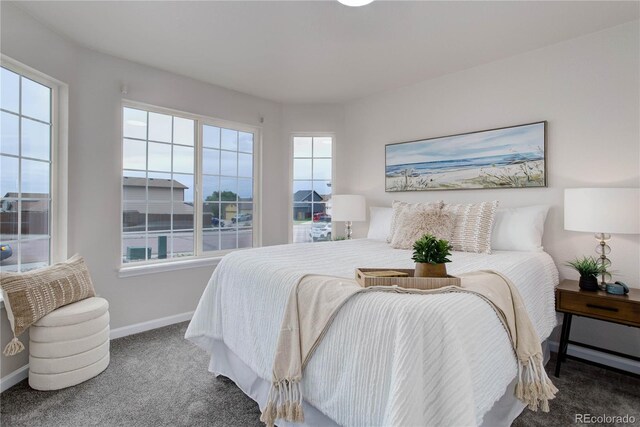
(521, 139)
(166, 160)
(227, 159)
(35, 107)
(312, 164)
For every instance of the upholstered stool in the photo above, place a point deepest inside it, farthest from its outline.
(69, 345)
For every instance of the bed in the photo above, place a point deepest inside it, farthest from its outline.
(387, 359)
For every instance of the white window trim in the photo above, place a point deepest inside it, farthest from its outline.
(180, 264)
(59, 154)
(205, 258)
(293, 135)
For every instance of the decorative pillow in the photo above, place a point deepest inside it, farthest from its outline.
(472, 230)
(519, 229)
(415, 223)
(399, 207)
(379, 223)
(32, 295)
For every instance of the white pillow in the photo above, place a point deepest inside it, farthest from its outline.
(519, 229)
(379, 223)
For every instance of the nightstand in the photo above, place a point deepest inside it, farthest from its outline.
(570, 300)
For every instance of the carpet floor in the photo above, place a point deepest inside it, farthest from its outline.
(157, 378)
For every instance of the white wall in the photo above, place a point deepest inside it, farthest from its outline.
(587, 89)
(94, 83)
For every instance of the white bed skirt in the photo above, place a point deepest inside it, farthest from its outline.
(224, 362)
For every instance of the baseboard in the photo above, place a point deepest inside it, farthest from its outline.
(22, 373)
(14, 378)
(149, 325)
(599, 357)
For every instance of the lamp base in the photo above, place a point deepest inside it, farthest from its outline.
(603, 249)
(347, 230)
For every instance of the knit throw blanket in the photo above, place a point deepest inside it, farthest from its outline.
(315, 301)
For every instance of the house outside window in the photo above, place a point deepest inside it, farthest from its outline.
(312, 178)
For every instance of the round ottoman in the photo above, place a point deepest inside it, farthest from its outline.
(69, 345)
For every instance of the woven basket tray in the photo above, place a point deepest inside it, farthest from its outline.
(404, 282)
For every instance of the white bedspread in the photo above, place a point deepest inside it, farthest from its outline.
(388, 359)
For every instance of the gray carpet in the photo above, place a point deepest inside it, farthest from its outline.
(157, 378)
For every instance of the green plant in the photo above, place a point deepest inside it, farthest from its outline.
(587, 266)
(429, 250)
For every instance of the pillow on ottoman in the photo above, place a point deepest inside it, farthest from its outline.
(34, 294)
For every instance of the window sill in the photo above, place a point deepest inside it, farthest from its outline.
(140, 270)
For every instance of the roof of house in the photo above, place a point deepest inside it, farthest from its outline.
(129, 181)
(303, 195)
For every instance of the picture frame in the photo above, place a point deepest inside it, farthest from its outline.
(506, 157)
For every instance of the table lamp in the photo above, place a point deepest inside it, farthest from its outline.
(348, 208)
(603, 211)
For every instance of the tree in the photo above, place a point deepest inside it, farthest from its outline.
(225, 196)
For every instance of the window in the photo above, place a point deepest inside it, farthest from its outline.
(227, 187)
(312, 178)
(169, 159)
(26, 165)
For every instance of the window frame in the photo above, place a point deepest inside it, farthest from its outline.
(199, 256)
(59, 144)
(292, 137)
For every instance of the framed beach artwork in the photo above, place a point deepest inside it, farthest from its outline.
(510, 157)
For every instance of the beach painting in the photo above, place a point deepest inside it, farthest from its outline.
(498, 158)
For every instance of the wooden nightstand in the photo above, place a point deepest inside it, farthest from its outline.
(570, 300)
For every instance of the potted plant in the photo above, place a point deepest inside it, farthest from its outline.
(589, 269)
(430, 255)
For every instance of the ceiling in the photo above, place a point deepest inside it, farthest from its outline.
(321, 51)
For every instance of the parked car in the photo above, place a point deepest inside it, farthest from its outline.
(242, 219)
(320, 231)
(321, 217)
(5, 252)
(217, 222)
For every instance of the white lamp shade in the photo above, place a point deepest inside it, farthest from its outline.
(602, 210)
(348, 207)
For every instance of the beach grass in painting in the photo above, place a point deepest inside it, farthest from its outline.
(501, 158)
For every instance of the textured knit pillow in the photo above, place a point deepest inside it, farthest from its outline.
(413, 224)
(473, 224)
(399, 207)
(32, 295)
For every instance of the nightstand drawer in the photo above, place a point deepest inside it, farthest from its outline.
(593, 306)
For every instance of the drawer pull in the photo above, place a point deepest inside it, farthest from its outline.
(601, 307)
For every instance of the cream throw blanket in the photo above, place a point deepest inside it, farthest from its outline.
(315, 301)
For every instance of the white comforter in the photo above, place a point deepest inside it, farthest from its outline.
(388, 359)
